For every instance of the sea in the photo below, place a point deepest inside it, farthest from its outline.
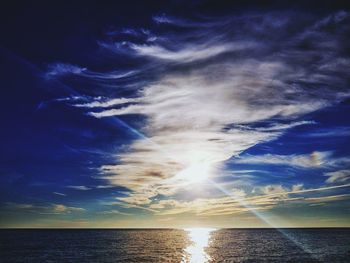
(175, 245)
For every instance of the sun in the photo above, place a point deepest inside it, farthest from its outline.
(195, 173)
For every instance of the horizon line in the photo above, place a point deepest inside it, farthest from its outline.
(166, 228)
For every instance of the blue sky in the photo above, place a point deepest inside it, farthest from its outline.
(175, 115)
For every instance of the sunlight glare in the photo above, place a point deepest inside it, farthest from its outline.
(199, 241)
(195, 173)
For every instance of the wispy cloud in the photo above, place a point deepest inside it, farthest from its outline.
(57, 193)
(340, 176)
(79, 187)
(115, 212)
(107, 103)
(43, 209)
(312, 160)
(190, 53)
(61, 69)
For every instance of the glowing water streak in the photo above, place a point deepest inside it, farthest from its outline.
(199, 238)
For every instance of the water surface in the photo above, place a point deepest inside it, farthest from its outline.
(176, 245)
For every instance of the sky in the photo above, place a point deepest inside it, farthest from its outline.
(175, 114)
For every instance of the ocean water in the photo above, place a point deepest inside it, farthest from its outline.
(176, 245)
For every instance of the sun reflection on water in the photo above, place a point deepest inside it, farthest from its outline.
(199, 241)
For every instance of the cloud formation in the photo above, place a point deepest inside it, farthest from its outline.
(264, 198)
(219, 88)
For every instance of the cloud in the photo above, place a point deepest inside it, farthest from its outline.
(296, 189)
(324, 199)
(104, 186)
(79, 187)
(188, 54)
(115, 212)
(57, 193)
(129, 205)
(327, 132)
(44, 209)
(61, 69)
(340, 176)
(167, 19)
(62, 209)
(264, 198)
(217, 88)
(107, 103)
(187, 23)
(312, 160)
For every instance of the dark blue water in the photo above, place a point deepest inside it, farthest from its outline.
(176, 245)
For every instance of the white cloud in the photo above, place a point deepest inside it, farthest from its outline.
(57, 193)
(62, 209)
(312, 160)
(115, 212)
(79, 187)
(107, 103)
(188, 54)
(340, 176)
(61, 69)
